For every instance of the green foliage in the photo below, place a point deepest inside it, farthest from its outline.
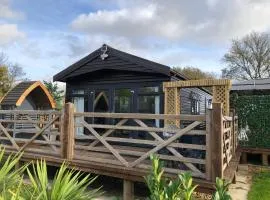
(155, 181)
(67, 184)
(5, 82)
(56, 92)
(260, 188)
(163, 189)
(195, 73)
(9, 74)
(188, 189)
(178, 189)
(254, 111)
(221, 190)
(9, 176)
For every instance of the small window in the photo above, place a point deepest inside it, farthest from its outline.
(209, 103)
(77, 92)
(195, 107)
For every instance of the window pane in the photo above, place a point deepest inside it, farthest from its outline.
(149, 104)
(101, 102)
(79, 107)
(148, 89)
(122, 100)
(77, 91)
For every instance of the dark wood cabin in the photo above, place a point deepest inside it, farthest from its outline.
(109, 80)
(28, 95)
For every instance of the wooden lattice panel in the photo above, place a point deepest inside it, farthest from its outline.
(172, 104)
(172, 94)
(221, 95)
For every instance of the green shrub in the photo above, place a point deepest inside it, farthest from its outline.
(163, 189)
(180, 188)
(221, 190)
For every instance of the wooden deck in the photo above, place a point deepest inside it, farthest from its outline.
(121, 146)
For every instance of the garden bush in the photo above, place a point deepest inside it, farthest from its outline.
(181, 188)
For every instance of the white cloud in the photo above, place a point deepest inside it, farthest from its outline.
(7, 13)
(206, 21)
(10, 33)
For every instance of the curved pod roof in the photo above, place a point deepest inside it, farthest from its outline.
(17, 95)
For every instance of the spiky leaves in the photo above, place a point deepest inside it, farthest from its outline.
(67, 184)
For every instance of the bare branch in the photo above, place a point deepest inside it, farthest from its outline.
(248, 58)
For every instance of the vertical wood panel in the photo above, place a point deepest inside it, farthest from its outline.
(216, 141)
(68, 132)
(208, 143)
(128, 190)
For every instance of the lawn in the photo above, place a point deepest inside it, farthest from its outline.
(260, 188)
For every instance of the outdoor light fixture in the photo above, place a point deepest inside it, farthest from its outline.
(104, 49)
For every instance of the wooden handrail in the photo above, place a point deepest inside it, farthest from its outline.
(140, 116)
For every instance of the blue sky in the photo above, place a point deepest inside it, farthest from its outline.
(45, 36)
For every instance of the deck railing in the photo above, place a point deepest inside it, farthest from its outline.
(230, 132)
(30, 131)
(203, 144)
(128, 141)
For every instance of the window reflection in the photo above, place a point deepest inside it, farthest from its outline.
(122, 100)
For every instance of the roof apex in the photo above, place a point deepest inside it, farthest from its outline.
(104, 53)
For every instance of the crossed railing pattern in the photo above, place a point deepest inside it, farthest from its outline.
(30, 131)
(111, 146)
(230, 132)
(203, 144)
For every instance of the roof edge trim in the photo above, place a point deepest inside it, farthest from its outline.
(31, 88)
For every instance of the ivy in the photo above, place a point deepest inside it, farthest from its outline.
(254, 112)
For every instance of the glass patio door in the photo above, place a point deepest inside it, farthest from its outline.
(123, 100)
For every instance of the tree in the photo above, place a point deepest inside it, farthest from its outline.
(248, 58)
(56, 92)
(12, 73)
(195, 73)
(5, 83)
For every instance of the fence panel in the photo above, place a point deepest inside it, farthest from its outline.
(30, 131)
(128, 139)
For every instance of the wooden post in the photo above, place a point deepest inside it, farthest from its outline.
(67, 132)
(244, 158)
(208, 138)
(128, 190)
(217, 141)
(233, 131)
(265, 159)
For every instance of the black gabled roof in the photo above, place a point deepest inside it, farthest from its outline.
(15, 93)
(93, 62)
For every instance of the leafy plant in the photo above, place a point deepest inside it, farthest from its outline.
(221, 190)
(155, 182)
(67, 184)
(163, 189)
(56, 92)
(9, 175)
(187, 187)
